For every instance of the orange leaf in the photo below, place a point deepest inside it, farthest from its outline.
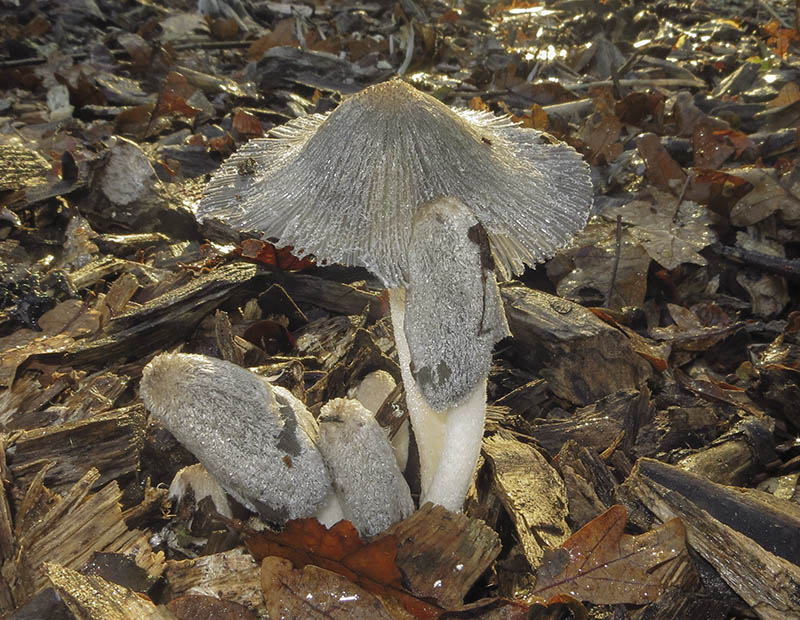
(603, 565)
(340, 550)
(265, 252)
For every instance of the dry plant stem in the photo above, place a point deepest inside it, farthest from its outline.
(449, 442)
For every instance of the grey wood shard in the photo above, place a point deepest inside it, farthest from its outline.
(345, 186)
(454, 315)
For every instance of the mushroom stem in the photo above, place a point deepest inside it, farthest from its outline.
(428, 425)
(449, 441)
(331, 511)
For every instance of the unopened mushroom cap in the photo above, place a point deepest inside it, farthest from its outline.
(345, 186)
(453, 311)
(255, 439)
(366, 477)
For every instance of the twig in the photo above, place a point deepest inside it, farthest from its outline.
(680, 198)
(617, 253)
(786, 267)
(409, 50)
(639, 82)
(775, 15)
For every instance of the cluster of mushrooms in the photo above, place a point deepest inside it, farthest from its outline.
(433, 201)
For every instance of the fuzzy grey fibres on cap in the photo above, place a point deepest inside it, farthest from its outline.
(345, 186)
(256, 439)
(454, 314)
(372, 490)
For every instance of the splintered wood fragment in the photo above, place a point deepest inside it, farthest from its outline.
(442, 554)
(752, 544)
(110, 442)
(583, 358)
(104, 266)
(334, 296)
(94, 598)
(532, 492)
(68, 530)
(166, 319)
(21, 166)
(232, 576)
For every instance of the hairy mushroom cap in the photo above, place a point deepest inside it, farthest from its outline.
(345, 186)
(453, 312)
(373, 492)
(256, 439)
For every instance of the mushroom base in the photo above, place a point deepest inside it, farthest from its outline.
(449, 442)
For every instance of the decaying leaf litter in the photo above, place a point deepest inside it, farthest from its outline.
(661, 378)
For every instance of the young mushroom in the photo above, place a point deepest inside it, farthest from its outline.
(257, 440)
(265, 449)
(352, 186)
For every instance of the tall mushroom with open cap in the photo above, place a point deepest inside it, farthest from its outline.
(355, 187)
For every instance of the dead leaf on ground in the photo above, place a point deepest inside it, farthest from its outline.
(603, 565)
(339, 549)
(199, 607)
(315, 593)
(663, 171)
(671, 234)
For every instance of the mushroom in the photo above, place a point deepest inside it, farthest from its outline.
(371, 489)
(372, 392)
(266, 450)
(349, 187)
(257, 440)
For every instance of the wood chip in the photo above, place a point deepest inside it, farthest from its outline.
(442, 554)
(532, 492)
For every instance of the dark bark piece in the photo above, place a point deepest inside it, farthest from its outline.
(582, 358)
(47, 604)
(442, 553)
(737, 455)
(334, 296)
(110, 442)
(591, 488)
(753, 544)
(166, 319)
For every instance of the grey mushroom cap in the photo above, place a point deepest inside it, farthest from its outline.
(257, 440)
(453, 313)
(345, 186)
(373, 492)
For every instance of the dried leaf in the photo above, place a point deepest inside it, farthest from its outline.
(199, 607)
(603, 565)
(661, 169)
(282, 258)
(315, 593)
(671, 234)
(339, 549)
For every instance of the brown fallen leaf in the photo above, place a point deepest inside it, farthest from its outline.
(339, 549)
(199, 607)
(265, 252)
(315, 593)
(603, 565)
(663, 171)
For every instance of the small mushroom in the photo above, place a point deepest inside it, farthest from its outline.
(257, 440)
(265, 448)
(379, 182)
(372, 392)
(371, 489)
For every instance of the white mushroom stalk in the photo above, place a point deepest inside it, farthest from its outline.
(431, 200)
